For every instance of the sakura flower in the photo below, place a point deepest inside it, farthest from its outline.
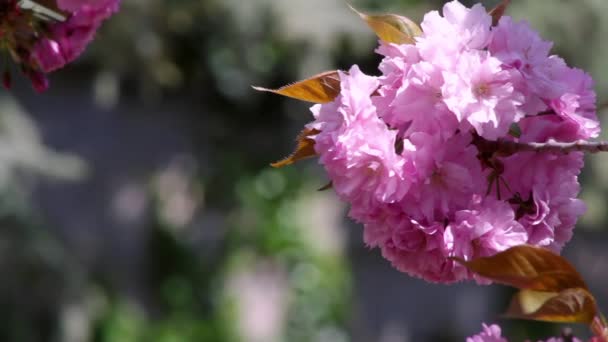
(481, 93)
(458, 30)
(416, 151)
(75, 5)
(68, 40)
(487, 228)
(448, 176)
(577, 102)
(521, 48)
(546, 191)
(490, 333)
(517, 45)
(357, 148)
(364, 160)
(398, 60)
(493, 333)
(41, 46)
(417, 250)
(418, 104)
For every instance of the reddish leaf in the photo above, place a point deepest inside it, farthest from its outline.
(498, 11)
(575, 305)
(528, 267)
(304, 149)
(326, 186)
(392, 28)
(321, 88)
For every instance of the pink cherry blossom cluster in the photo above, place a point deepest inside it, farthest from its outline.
(409, 150)
(493, 333)
(46, 35)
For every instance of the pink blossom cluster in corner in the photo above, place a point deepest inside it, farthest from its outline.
(493, 333)
(65, 41)
(41, 43)
(402, 149)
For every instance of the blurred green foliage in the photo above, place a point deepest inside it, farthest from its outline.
(194, 297)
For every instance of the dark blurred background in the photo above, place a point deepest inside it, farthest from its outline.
(137, 203)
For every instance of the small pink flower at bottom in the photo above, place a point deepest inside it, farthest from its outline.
(493, 333)
(490, 333)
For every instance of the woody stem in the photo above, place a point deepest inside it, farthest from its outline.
(504, 148)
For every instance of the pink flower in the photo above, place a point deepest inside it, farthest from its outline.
(75, 5)
(44, 46)
(397, 61)
(39, 80)
(481, 93)
(69, 39)
(490, 333)
(48, 55)
(519, 47)
(364, 160)
(576, 102)
(545, 195)
(448, 176)
(545, 185)
(402, 148)
(417, 105)
(518, 44)
(458, 30)
(487, 228)
(356, 147)
(493, 333)
(416, 249)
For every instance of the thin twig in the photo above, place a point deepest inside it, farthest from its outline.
(507, 148)
(555, 146)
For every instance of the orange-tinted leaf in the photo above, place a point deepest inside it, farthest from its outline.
(528, 267)
(392, 28)
(321, 88)
(555, 281)
(575, 305)
(498, 11)
(304, 149)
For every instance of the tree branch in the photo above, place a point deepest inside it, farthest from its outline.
(506, 148)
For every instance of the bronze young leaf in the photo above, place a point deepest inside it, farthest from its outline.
(321, 88)
(392, 28)
(575, 305)
(528, 267)
(498, 11)
(304, 149)
(551, 288)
